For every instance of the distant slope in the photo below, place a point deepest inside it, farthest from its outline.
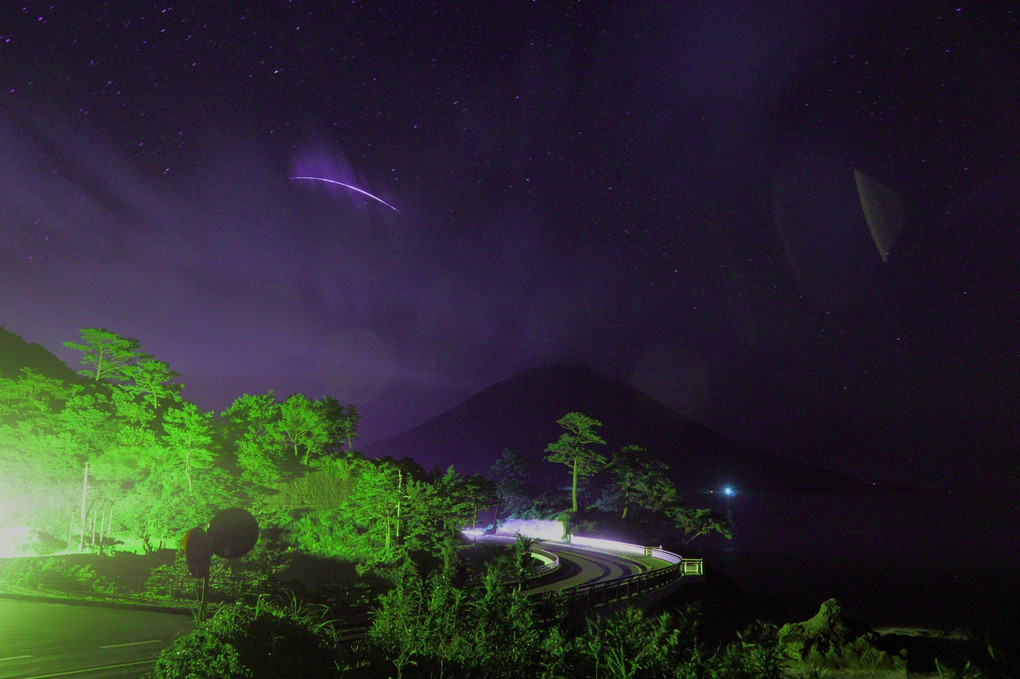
(521, 414)
(16, 353)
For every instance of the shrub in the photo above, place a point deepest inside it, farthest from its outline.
(759, 654)
(826, 641)
(241, 641)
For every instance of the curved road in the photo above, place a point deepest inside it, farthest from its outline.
(583, 566)
(578, 565)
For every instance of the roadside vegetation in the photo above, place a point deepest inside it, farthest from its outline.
(361, 569)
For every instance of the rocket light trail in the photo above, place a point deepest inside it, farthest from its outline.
(348, 186)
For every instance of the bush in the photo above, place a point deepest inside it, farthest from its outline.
(826, 641)
(759, 654)
(267, 640)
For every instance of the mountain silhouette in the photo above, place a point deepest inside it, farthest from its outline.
(521, 413)
(16, 353)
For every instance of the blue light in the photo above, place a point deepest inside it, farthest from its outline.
(728, 492)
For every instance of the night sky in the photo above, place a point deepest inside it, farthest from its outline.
(663, 191)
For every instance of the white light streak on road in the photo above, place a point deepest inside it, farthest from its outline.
(132, 643)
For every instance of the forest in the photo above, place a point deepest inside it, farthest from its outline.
(118, 453)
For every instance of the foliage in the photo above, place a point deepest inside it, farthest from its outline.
(757, 654)
(574, 448)
(967, 670)
(427, 625)
(639, 479)
(270, 639)
(107, 355)
(341, 424)
(188, 437)
(151, 381)
(826, 641)
(630, 644)
(156, 463)
(696, 523)
(304, 427)
(508, 473)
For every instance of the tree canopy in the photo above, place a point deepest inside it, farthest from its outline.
(574, 448)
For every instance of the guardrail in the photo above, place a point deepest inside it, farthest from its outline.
(550, 563)
(593, 595)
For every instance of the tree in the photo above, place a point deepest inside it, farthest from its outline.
(698, 522)
(107, 355)
(253, 424)
(30, 393)
(378, 499)
(479, 491)
(88, 424)
(641, 480)
(509, 472)
(342, 425)
(152, 380)
(574, 448)
(188, 438)
(304, 427)
(436, 509)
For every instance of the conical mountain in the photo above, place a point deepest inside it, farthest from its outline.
(520, 413)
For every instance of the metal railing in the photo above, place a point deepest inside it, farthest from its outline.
(550, 563)
(595, 594)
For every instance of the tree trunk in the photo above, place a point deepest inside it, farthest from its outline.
(400, 484)
(574, 487)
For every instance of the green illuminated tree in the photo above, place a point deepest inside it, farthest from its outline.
(88, 424)
(436, 509)
(641, 480)
(188, 438)
(30, 394)
(304, 427)
(133, 412)
(342, 424)
(151, 380)
(379, 500)
(107, 355)
(574, 448)
(480, 492)
(252, 424)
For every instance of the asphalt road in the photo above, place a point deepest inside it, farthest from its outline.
(48, 640)
(580, 566)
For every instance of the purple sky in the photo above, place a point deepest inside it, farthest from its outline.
(665, 194)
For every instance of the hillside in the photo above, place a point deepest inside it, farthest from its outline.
(521, 413)
(16, 353)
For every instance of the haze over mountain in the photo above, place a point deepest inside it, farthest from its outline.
(521, 413)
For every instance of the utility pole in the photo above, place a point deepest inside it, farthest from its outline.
(84, 494)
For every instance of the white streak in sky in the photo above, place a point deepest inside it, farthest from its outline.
(352, 188)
